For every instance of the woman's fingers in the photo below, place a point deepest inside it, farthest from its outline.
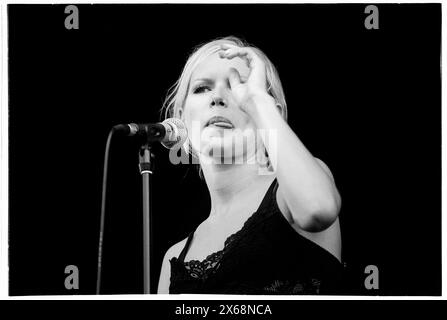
(233, 51)
(256, 65)
(234, 78)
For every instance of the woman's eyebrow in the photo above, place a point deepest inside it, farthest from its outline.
(203, 79)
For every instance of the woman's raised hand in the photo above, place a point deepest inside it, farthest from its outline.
(246, 91)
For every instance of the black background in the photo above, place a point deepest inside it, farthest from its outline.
(366, 102)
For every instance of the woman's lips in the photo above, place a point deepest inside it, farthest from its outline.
(223, 125)
(221, 122)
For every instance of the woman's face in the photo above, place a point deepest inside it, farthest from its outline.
(217, 126)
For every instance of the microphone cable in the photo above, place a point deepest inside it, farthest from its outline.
(103, 210)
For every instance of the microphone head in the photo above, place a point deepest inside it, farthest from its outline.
(130, 129)
(133, 129)
(177, 133)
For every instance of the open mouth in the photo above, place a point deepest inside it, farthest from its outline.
(220, 122)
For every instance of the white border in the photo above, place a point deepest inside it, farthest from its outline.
(444, 157)
(4, 194)
(213, 1)
(4, 183)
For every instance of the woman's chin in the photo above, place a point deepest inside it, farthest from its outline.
(216, 150)
(210, 135)
(215, 154)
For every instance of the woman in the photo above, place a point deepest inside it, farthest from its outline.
(273, 225)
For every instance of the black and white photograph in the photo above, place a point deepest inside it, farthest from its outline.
(255, 149)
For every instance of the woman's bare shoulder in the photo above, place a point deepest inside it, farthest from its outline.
(164, 280)
(174, 250)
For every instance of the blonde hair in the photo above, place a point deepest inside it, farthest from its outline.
(175, 99)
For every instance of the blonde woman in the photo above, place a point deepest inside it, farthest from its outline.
(273, 223)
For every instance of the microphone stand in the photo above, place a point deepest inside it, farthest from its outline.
(145, 166)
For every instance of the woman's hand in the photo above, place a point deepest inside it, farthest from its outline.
(247, 93)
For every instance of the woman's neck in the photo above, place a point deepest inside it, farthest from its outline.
(232, 186)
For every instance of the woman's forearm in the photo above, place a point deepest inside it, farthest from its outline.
(308, 190)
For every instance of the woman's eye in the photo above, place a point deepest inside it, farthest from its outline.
(201, 89)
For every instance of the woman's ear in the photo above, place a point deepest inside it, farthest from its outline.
(262, 157)
(279, 107)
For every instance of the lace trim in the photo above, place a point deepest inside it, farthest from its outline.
(203, 269)
(311, 286)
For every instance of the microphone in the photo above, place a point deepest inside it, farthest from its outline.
(171, 133)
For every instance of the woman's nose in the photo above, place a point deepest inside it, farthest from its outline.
(218, 101)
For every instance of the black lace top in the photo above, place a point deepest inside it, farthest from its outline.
(267, 256)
